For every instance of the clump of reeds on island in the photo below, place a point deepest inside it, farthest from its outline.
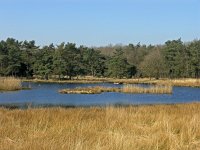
(10, 84)
(155, 127)
(125, 89)
(89, 90)
(156, 89)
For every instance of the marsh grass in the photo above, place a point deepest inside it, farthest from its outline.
(152, 89)
(190, 82)
(81, 81)
(157, 127)
(186, 82)
(163, 81)
(10, 84)
(125, 89)
(89, 90)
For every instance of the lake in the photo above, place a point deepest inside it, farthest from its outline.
(46, 94)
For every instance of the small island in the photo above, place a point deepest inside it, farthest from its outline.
(124, 89)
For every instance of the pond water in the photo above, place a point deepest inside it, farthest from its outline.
(46, 94)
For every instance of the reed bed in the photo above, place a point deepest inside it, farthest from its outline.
(157, 127)
(125, 89)
(186, 82)
(190, 82)
(89, 90)
(152, 89)
(163, 81)
(10, 84)
(81, 81)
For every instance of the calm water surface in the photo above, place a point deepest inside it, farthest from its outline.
(47, 94)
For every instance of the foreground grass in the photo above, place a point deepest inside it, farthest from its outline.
(158, 127)
(10, 84)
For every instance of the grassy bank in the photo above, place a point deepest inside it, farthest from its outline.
(152, 89)
(83, 81)
(158, 127)
(10, 84)
(173, 82)
(89, 90)
(125, 89)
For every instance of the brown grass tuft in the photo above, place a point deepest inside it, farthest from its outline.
(186, 82)
(89, 90)
(158, 127)
(153, 89)
(191, 82)
(125, 89)
(10, 84)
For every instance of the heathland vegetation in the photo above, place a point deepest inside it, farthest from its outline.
(157, 127)
(10, 84)
(125, 89)
(174, 59)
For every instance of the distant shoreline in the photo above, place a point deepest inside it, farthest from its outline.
(187, 82)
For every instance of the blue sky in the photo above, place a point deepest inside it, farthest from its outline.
(100, 22)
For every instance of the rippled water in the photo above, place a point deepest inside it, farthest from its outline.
(47, 94)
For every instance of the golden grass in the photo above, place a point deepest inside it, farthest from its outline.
(152, 89)
(186, 82)
(10, 84)
(81, 81)
(173, 82)
(158, 127)
(125, 89)
(89, 90)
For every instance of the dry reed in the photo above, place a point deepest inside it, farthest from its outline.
(186, 82)
(152, 89)
(158, 127)
(125, 89)
(173, 82)
(10, 84)
(89, 90)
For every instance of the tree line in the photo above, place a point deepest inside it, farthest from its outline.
(174, 59)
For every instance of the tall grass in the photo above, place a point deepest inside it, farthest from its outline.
(186, 82)
(125, 89)
(10, 84)
(153, 89)
(164, 81)
(89, 90)
(158, 127)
